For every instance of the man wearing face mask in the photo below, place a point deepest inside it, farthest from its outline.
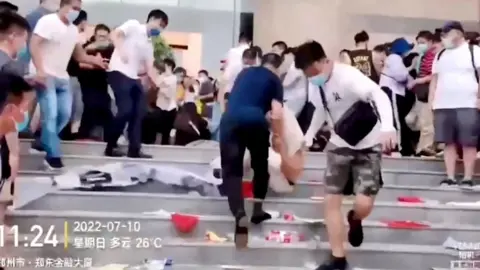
(133, 54)
(53, 43)
(359, 130)
(14, 30)
(454, 97)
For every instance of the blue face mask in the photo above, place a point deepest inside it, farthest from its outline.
(318, 80)
(72, 15)
(23, 125)
(154, 32)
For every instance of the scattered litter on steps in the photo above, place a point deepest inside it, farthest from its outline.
(451, 243)
(159, 213)
(213, 237)
(184, 223)
(416, 200)
(405, 224)
(274, 214)
(465, 204)
(284, 237)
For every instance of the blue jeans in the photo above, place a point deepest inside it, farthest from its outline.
(55, 102)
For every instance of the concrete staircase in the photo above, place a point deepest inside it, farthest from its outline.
(114, 212)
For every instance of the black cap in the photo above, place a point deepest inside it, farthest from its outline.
(452, 25)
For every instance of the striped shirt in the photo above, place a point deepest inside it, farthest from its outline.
(427, 63)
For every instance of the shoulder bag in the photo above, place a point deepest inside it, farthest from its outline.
(356, 123)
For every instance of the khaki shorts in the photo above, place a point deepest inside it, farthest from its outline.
(352, 171)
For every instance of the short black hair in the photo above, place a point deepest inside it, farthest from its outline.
(281, 44)
(344, 51)
(180, 70)
(10, 20)
(258, 50)
(169, 62)
(437, 37)
(307, 53)
(203, 71)
(250, 54)
(272, 59)
(425, 34)
(361, 37)
(244, 38)
(5, 5)
(65, 2)
(102, 26)
(380, 48)
(157, 14)
(82, 16)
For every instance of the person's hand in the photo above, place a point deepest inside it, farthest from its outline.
(277, 143)
(412, 83)
(100, 62)
(308, 141)
(388, 140)
(39, 79)
(13, 161)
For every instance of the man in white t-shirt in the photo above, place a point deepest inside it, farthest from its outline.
(53, 43)
(350, 168)
(454, 98)
(133, 54)
(166, 110)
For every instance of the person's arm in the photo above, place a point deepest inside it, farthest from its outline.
(395, 69)
(13, 143)
(120, 33)
(277, 108)
(345, 58)
(368, 91)
(432, 88)
(42, 33)
(476, 62)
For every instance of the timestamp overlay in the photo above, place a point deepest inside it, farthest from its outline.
(468, 256)
(75, 238)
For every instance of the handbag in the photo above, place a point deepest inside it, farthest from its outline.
(356, 123)
(305, 116)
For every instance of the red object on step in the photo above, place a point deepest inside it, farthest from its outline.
(410, 199)
(406, 224)
(184, 223)
(247, 189)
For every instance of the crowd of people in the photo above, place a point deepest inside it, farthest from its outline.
(398, 98)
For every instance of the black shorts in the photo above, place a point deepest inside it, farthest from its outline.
(457, 126)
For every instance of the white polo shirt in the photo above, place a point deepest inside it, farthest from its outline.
(457, 86)
(167, 96)
(138, 48)
(57, 50)
(234, 65)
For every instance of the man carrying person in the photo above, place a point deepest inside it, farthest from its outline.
(133, 54)
(53, 43)
(256, 93)
(359, 130)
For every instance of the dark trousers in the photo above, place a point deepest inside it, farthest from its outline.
(158, 121)
(96, 112)
(233, 143)
(131, 107)
(402, 105)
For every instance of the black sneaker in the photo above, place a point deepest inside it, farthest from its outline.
(448, 182)
(355, 232)
(466, 183)
(140, 155)
(114, 152)
(241, 231)
(36, 147)
(53, 163)
(334, 264)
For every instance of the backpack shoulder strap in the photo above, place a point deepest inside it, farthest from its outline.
(440, 54)
(472, 57)
(324, 103)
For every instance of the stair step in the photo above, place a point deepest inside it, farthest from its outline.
(117, 224)
(182, 251)
(307, 208)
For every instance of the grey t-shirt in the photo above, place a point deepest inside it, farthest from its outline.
(8, 65)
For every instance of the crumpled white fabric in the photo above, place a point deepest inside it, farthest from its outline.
(294, 142)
